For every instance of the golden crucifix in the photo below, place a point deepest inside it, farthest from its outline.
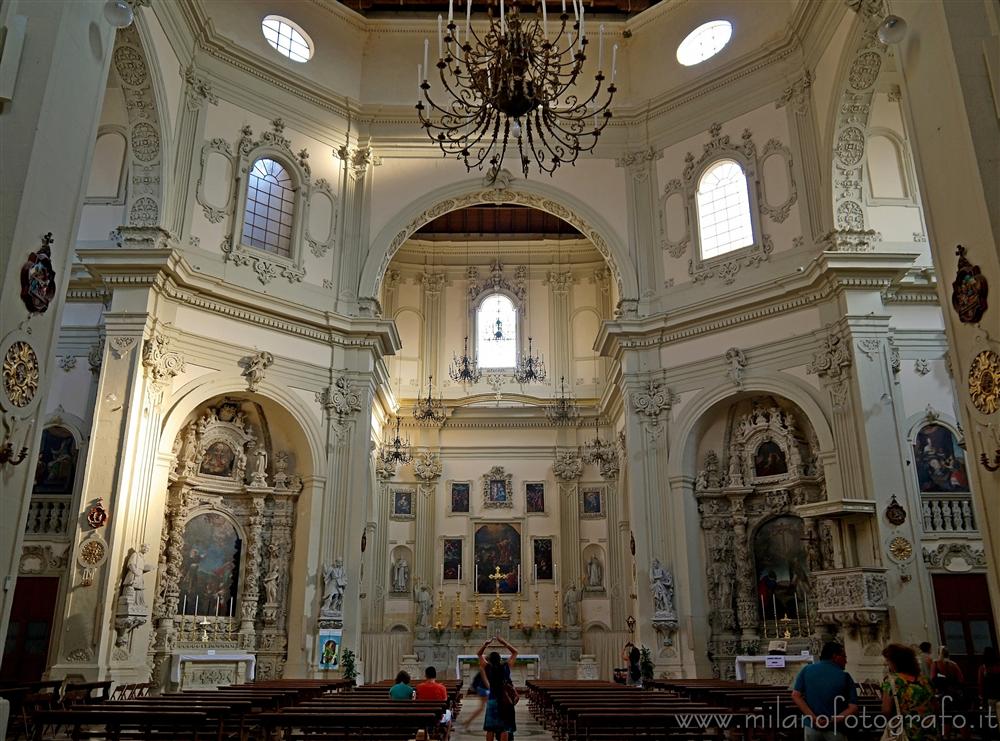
(497, 610)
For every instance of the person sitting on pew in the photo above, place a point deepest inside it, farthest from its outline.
(825, 694)
(402, 689)
(430, 688)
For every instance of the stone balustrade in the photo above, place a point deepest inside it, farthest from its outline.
(48, 516)
(947, 513)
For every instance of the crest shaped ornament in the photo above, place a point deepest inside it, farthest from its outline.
(895, 513)
(654, 399)
(340, 398)
(969, 290)
(97, 515)
(567, 466)
(427, 466)
(38, 278)
(162, 364)
(832, 359)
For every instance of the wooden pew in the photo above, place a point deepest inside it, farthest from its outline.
(119, 725)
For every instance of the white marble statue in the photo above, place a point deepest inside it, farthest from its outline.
(133, 588)
(571, 605)
(271, 583)
(595, 573)
(259, 475)
(662, 584)
(425, 603)
(400, 575)
(334, 586)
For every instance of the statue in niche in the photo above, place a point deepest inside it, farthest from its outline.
(826, 546)
(595, 573)
(255, 366)
(425, 603)
(571, 605)
(662, 583)
(273, 576)
(334, 586)
(400, 575)
(133, 589)
(259, 476)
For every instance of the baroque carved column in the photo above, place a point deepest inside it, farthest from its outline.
(190, 134)
(560, 283)
(642, 205)
(567, 468)
(355, 205)
(797, 101)
(427, 467)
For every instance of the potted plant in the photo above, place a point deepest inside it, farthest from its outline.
(646, 664)
(348, 665)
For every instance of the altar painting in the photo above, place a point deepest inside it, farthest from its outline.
(460, 496)
(56, 465)
(452, 558)
(219, 460)
(782, 567)
(769, 460)
(328, 648)
(498, 544)
(210, 568)
(542, 558)
(940, 461)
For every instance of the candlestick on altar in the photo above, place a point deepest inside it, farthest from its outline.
(555, 622)
(439, 611)
(519, 623)
(196, 604)
(498, 610)
(477, 625)
(763, 615)
(185, 607)
(538, 613)
(798, 615)
(786, 621)
(774, 608)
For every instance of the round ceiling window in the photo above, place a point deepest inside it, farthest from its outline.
(704, 42)
(287, 38)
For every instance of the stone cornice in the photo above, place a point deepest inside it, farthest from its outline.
(171, 274)
(829, 274)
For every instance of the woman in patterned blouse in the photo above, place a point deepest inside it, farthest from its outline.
(907, 694)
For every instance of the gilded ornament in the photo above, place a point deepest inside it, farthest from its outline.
(984, 381)
(900, 548)
(20, 373)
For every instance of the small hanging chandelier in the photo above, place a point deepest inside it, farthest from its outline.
(515, 81)
(398, 451)
(429, 409)
(597, 451)
(530, 367)
(464, 369)
(563, 409)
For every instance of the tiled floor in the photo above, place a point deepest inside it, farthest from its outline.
(526, 725)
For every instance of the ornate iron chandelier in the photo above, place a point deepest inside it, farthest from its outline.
(429, 409)
(398, 451)
(563, 409)
(530, 367)
(464, 369)
(597, 451)
(518, 81)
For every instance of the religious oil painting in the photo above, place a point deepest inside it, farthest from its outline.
(592, 503)
(452, 558)
(542, 559)
(210, 567)
(218, 460)
(781, 567)
(498, 493)
(402, 504)
(534, 496)
(328, 648)
(460, 491)
(498, 544)
(940, 461)
(56, 466)
(769, 460)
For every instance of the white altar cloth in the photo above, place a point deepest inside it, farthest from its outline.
(518, 672)
(789, 666)
(216, 658)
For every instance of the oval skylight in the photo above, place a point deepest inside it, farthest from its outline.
(287, 38)
(704, 42)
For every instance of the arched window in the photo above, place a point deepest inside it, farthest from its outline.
(723, 202)
(496, 332)
(270, 206)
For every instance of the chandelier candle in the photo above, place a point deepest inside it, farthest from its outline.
(515, 83)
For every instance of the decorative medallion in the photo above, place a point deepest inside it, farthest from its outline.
(93, 552)
(97, 516)
(900, 548)
(984, 381)
(968, 290)
(20, 373)
(851, 146)
(895, 513)
(38, 278)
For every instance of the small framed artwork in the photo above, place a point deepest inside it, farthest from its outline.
(541, 559)
(328, 647)
(498, 488)
(534, 497)
(592, 502)
(403, 503)
(460, 491)
(452, 552)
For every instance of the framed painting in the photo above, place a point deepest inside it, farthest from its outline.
(497, 545)
(781, 566)
(940, 460)
(452, 553)
(56, 466)
(498, 489)
(210, 564)
(769, 460)
(328, 648)
(534, 497)
(402, 504)
(592, 502)
(219, 460)
(460, 491)
(541, 559)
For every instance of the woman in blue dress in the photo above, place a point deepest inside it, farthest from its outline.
(499, 723)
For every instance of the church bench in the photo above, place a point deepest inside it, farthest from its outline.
(225, 717)
(118, 725)
(25, 701)
(83, 692)
(361, 726)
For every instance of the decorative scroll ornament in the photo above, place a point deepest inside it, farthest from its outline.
(969, 290)
(833, 358)
(340, 398)
(20, 373)
(38, 278)
(427, 466)
(255, 365)
(653, 400)
(942, 556)
(984, 382)
(162, 364)
(895, 513)
(567, 466)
